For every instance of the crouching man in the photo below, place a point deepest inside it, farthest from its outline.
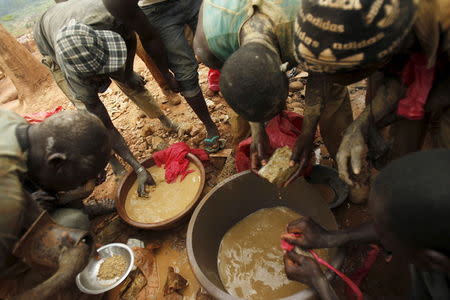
(410, 219)
(60, 154)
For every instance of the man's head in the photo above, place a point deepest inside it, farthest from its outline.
(67, 149)
(344, 36)
(89, 52)
(410, 202)
(253, 83)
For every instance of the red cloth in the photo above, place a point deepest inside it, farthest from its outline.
(419, 80)
(282, 130)
(358, 276)
(174, 161)
(213, 80)
(41, 116)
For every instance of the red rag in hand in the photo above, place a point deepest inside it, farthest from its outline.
(352, 286)
(175, 162)
(282, 130)
(213, 80)
(419, 80)
(41, 116)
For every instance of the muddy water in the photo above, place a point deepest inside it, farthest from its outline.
(165, 200)
(171, 256)
(250, 260)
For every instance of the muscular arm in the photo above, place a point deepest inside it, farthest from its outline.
(355, 137)
(129, 13)
(118, 143)
(201, 48)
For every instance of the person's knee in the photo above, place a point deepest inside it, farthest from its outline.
(71, 218)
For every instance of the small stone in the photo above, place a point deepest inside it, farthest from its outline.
(224, 118)
(195, 131)
(148, 130)
(295, 86)
(210, 103)
(175, 99)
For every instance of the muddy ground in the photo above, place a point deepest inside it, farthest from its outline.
(144, 136)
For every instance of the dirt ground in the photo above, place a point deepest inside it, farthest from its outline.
(145, 136)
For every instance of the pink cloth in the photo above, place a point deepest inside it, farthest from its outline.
(213, 80)
(282, 130)
(41, 116)
(419, 80)
(175, 161)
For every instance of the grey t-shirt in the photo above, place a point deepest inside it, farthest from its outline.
(88, 12)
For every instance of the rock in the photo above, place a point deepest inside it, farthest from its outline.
(224, 118)
(277, 169)
(175, 99)
(295, 86)
(297, 104)
(142, 115)
(195, 131)
(210, 103)
(148, 130)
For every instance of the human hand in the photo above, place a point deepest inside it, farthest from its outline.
(310, 235)
(136, 81)
(259, 150)
(144, 178)
(45, 200)
(302, 268)
(301, 154)
(74, 258)
(172, 83)
(352, 147)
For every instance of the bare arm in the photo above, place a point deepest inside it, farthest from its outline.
(129, 13)
(201, 48)
(71, 262)
(313, 236)
(119, 145)
(354, 140)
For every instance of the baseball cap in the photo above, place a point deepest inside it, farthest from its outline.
(86, 51)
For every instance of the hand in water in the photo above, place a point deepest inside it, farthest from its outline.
(144, 178)
(310, 234)
(301, 268)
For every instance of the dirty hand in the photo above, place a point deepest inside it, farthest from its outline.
(352, 148)
(136, 81)
(301, 154)
(259, 150)
(143, 178)
(310, 234)
(73, 259)
(45, 200)
(301, 268)
(172, 83)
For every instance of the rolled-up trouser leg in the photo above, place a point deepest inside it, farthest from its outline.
(71, 218)
(143, 99)
(335, 118)
(61, 81)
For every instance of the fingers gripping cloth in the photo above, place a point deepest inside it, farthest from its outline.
(289, 247)
(175, 161)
